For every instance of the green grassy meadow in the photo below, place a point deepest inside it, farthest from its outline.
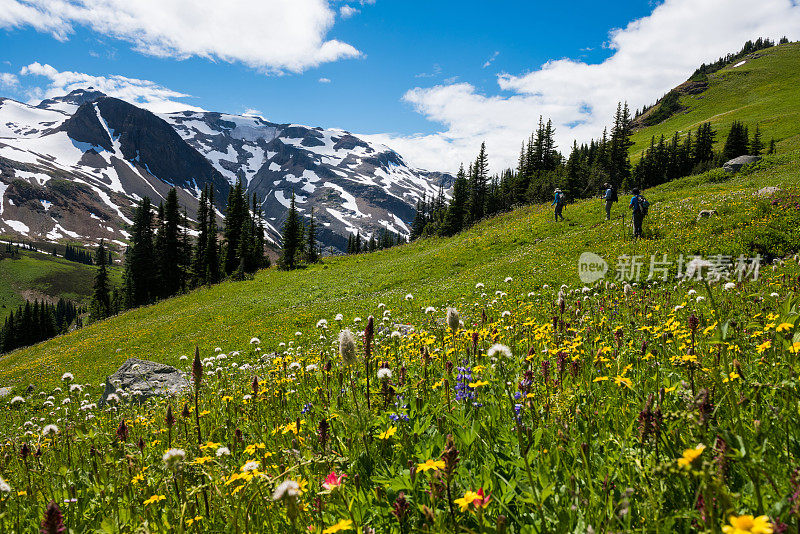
(39, 275)
(525, 244)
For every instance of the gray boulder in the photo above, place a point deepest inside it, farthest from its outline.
(735, 164)
(5, 392)
(143, 379)
(705, 214)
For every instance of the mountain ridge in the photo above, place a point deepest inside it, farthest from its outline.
(122, 152)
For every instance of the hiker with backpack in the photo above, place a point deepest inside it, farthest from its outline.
(610, 197)
(559, 201)
(640, 206)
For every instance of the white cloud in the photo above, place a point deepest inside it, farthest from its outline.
(324, 80)
(491, 59)
(143, 93)
(252, 112)
(273, 36)
(348, 11)
(650, 56)
(8, 80)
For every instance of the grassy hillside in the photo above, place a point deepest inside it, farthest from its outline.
(525, 245)
(39, 275)
(762, 91)
(660, 407)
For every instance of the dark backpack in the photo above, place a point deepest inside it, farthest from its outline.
(614, 197)
(561, 199)
(644, 204)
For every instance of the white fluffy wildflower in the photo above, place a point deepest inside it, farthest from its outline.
(499, 350)
(50, 429)
(298, 333)
(409, 297)
(173, 457)
(17, 401)
(255, 341)
(76, 388)
(48, 404)
(691, 292)
(322, 323)
(347, 347)
(430, 309)
(700, 298)
(112, 399)
(479, 285)
(396, 335)
(287, 488)
(67, 377)
(384, 373)
(217, 349)
(223, 451)
(252, 465)
(505, 313)
(294, 365)
(775, 295)
(729, 286)
(4, 487)
(508, 279)
(339, 317)
(310, 368)
(453, 319)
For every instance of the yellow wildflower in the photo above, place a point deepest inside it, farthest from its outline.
(391, 431)
(745, 524)
(154, 498)
(435, 465)
(690, 455)
(344, 524)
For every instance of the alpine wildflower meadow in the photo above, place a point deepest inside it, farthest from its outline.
(596, 408)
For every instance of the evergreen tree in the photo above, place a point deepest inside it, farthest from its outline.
(101, 297)
(477, 186)
(212, 263)
(619, 166)
(236, 216)
(199, 262)
(456, 211)
(704, 145)
(140, 266)
(291, 237)
(756, 145)
(737, 142)
(168, 247)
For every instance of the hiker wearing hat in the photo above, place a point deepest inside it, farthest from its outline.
(559, 202)
(610, 197)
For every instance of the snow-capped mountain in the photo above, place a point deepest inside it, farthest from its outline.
(72, 168)
(352, 185)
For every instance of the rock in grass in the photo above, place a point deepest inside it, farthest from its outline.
(735, 164)
(143, 379)
(705, 214)
(5, 392)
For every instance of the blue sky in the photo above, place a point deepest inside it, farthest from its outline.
(431, 79)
